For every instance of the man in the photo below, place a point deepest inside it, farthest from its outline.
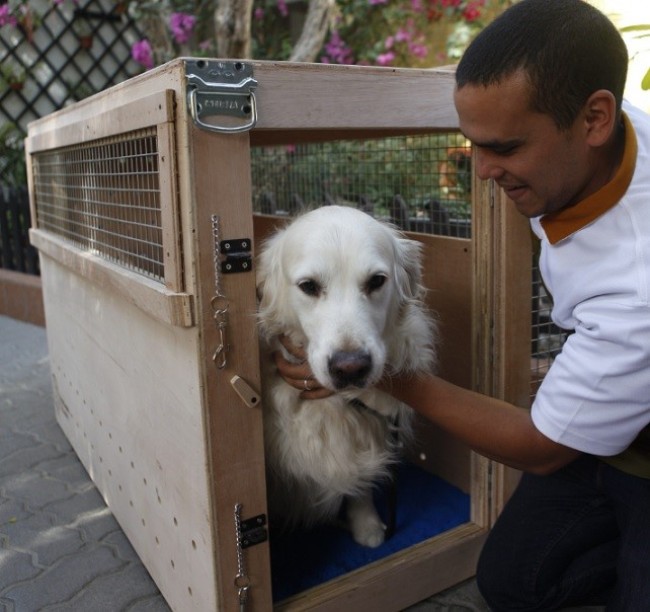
(539, 95)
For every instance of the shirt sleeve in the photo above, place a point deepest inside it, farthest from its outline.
(596, 395)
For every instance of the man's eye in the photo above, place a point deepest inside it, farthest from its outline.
(375, 282)
(310, 287)
(505, 150)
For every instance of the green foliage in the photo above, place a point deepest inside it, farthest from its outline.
(12, 156)
(641, 30)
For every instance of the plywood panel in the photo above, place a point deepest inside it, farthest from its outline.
(128, 397)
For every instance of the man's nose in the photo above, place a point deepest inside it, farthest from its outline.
(486, 166)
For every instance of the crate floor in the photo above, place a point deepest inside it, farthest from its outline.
(426, 507)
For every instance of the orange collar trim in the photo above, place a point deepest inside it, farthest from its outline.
(561, 224)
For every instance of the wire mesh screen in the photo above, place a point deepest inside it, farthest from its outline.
(547, 338)
(104, 197)
(421, 183)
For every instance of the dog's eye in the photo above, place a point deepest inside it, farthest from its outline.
(310, 287)
(375, 282)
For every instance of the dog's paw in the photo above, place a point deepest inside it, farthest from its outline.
(371, 534)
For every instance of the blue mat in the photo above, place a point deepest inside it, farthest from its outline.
(426, 506)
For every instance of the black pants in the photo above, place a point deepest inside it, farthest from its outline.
(580, 536)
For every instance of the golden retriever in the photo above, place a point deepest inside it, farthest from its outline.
(347, 288)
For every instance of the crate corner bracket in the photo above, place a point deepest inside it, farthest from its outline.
(221, 89)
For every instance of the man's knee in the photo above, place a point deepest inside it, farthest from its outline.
(503, 586)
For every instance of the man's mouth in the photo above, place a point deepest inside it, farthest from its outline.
(513, 191)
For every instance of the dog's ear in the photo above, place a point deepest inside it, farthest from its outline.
(270, 285)
(412, 346)
(408, 268)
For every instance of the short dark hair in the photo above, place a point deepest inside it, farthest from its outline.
(567, 48)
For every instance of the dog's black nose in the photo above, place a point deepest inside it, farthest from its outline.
(349, 368)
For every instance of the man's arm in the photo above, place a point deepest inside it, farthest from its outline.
(491, 427)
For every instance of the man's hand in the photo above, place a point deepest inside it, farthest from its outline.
(299, 375)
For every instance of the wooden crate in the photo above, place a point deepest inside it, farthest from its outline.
(131, 190)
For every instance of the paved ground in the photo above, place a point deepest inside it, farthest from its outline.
(60, 547)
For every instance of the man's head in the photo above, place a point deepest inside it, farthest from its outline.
(538, 93)
(567, 49)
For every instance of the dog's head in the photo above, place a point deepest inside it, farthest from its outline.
(348, 289)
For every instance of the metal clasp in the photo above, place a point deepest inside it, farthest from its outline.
(220, 89)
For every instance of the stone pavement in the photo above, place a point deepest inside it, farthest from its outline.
(61, 549)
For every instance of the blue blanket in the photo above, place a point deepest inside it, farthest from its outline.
(426, 506)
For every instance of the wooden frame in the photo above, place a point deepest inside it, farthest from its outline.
(172, 445)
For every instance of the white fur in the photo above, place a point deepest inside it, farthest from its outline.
(320, 452)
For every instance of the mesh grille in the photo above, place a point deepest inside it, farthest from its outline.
(421, 183)
(104, 197)
(547, 338)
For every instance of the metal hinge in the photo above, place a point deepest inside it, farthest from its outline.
(221, 89)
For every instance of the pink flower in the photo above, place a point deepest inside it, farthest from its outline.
(282, 7)
(376, 2)
(181, 25)
(141, 52)
(402, 35)
(337, 51)
(385, 59)
(416, 6)
(259, 13)
(418, 49)
(6, 18)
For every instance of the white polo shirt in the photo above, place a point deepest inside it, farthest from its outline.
(595, 262)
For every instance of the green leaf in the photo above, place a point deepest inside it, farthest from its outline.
(645, 82)
(636, 28)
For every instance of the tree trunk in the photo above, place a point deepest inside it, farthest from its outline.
(232, 26)
(314, 31)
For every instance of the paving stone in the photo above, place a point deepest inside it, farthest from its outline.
(16, 566)
(86, 510)
(35, 490)
(47, 544)
(115, 591)
(11, 510)
(12, 441)
(64, 580)
(122, 546)
(67, 468)
(26, 458)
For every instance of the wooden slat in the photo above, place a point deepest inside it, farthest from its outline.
(148, 295)
(322, 96)
(399, 580)
(106, 120)
(169, 209)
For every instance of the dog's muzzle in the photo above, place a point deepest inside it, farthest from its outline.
(349, 368)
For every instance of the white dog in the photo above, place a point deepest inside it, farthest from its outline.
(347, 289)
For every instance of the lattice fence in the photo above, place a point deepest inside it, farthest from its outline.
(60, 54)
(67, 53)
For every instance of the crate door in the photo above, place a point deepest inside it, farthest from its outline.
(219, 180)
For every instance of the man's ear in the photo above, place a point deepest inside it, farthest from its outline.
(600, 117)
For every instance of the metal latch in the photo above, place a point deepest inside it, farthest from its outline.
(221, 89)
